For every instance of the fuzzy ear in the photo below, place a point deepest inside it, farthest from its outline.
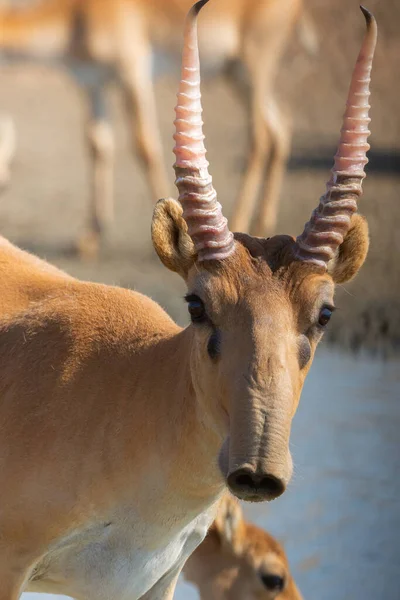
(170, 237)
(229, 524)
(352, 252)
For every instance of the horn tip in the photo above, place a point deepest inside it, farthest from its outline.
(369, 17)
(198, 6)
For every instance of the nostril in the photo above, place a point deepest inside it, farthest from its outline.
(272, 485)
(248, 485)
(245, 480)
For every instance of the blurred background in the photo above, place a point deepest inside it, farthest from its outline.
(340, 518)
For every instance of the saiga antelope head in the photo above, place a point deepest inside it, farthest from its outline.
(239, 560)
(259, 306)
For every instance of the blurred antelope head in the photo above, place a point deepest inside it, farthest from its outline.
(239, 560)
(259, 306)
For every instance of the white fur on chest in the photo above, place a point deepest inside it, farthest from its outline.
(106, 562)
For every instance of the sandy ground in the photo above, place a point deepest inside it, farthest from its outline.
(45, 208)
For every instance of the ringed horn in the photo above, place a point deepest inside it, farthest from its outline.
(207, 226)
(330, 222)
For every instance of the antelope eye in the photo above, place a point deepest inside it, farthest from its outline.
(325, 315)
(196, 309)
(274, 583)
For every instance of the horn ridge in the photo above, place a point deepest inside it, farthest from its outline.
(330, 222)
(202, 212)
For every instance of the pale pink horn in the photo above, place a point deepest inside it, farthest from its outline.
(330, 222)
(207, 226)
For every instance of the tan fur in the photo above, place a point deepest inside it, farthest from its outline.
(353, 252)
(119, 432)
(25, 279)
(120, 34)
(229, 563)
(170, 237)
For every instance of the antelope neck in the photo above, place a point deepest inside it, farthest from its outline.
(179, 416)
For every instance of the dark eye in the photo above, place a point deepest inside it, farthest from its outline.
(196, 309)
(274, 583)
(325, 315)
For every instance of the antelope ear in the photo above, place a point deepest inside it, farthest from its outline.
(229, 523)
(170, 237)
(352, 252)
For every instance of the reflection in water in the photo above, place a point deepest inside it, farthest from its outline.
(340, 517)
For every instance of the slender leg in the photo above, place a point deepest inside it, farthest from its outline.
(12, 584)
(262, 48)
(259, 149)
(9, 593)
(266, 218)
(7, 148)
(136, 76)
(100, 140)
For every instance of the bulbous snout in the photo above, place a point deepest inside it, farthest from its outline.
(255, 458)
(255, 486)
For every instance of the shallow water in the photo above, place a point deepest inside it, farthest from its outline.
(340, 517)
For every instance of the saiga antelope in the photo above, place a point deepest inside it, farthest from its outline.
(119, 430)
(103, 39)
(238, 561)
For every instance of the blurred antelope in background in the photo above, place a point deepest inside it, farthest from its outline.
(238, 561)
(7, 148)
(101, 40)
(120, 431)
